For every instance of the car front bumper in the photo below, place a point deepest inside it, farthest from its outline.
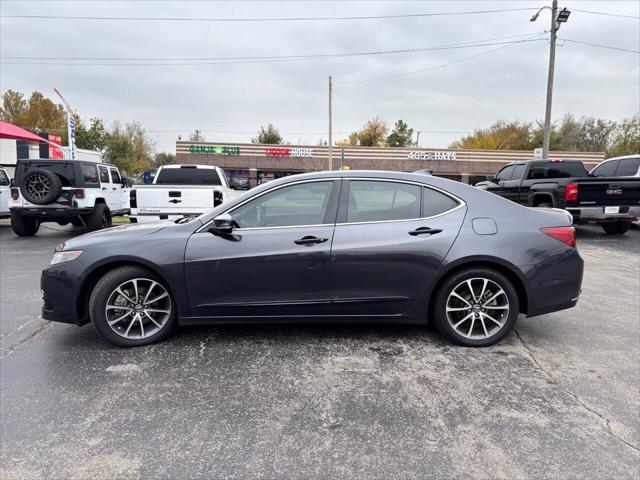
(58, 285)
(597, 214)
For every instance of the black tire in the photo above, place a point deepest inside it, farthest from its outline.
(98, 219)
(507, 320)
(24, 227)
(616, 228)
(77, 222)
(105, 288)
(40, 186)
(545, 205)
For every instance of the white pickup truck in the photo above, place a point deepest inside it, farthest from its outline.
(180, 190)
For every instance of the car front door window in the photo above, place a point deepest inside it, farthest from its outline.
(296, 205)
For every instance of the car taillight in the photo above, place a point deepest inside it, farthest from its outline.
(15, 193)
(571, 192)
(133, 198)
(564, 234)
(79, 192)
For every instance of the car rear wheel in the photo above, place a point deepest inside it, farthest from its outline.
(476, 307)
(24, 227)
(98, 219)
(616, 228)
(131, 307)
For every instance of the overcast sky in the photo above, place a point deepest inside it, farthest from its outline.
(229, 102)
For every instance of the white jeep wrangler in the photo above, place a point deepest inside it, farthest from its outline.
(66, 191)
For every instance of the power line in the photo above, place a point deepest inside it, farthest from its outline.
(256, 59)
(261, 19)
(599, 45)
(434, 67)
(606, 14)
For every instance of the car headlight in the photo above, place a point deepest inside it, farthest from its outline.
(61, 257)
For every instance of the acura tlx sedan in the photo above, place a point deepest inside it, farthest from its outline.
(331, 246)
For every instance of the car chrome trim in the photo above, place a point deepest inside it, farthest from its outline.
(461, 204)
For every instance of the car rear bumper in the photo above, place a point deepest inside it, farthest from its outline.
(50, 213)
(597, 214)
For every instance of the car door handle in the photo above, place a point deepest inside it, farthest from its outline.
(310, 240)
(425, 231)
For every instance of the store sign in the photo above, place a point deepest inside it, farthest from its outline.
(214, 149)
(419, 155)
(288, 152)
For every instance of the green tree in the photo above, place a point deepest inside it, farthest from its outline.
(92, 138)
(163, 158)
(268, 135)
(373, 133)
(401, 136)
(38, 114)
(595, 133)
(128, 147)
(625, 139)
(13, 108)
(502, 135)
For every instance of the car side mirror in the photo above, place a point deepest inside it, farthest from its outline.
(223, 224)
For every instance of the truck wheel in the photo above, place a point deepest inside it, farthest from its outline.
(98, 219)
(40, 186)
(616, 228)
(24, 227)
(545, 205)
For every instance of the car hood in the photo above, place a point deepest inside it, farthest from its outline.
(122, 233)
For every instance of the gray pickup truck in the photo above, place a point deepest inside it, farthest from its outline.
(612, 202)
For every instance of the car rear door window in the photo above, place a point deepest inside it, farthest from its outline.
(379, 201)
(435, 203)
(628, 167)
(90, 175)
(295, 205)
(104, 174)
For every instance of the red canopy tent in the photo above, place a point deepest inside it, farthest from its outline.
(13, 132)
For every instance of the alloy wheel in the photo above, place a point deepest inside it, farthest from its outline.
(138, 308)
(38, 186)
(477, 308)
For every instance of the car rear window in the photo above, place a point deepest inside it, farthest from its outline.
(628, 167)
(188, 176)
(435, 203)
(557, 170)
(90, 174)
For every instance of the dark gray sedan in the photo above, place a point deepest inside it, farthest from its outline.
(334, 246)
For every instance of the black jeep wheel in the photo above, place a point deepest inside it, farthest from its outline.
(100, 217)
(24, 227)
(40, 186)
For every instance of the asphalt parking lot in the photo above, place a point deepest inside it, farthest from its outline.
(559, 398)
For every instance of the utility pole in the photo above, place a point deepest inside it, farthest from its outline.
(552, 64)
(330, 126)
(418, 139)
(556, 20)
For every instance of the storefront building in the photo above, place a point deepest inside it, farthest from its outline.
(254, 163)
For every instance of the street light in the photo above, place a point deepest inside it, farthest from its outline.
(556, 20)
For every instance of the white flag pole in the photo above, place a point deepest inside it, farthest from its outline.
(71, 127)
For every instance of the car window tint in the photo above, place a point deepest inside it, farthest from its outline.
(115, 176)
(435, 203)
(375, 201)
(188, 176)
(104, 175)
(606, 169)
(90, 174)
(4, 179)
(301, 204)
(517, 173)
(505, 173)
(628, 167)
(557, 170)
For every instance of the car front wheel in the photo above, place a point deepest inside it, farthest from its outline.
(476, 307)
(131, 306)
